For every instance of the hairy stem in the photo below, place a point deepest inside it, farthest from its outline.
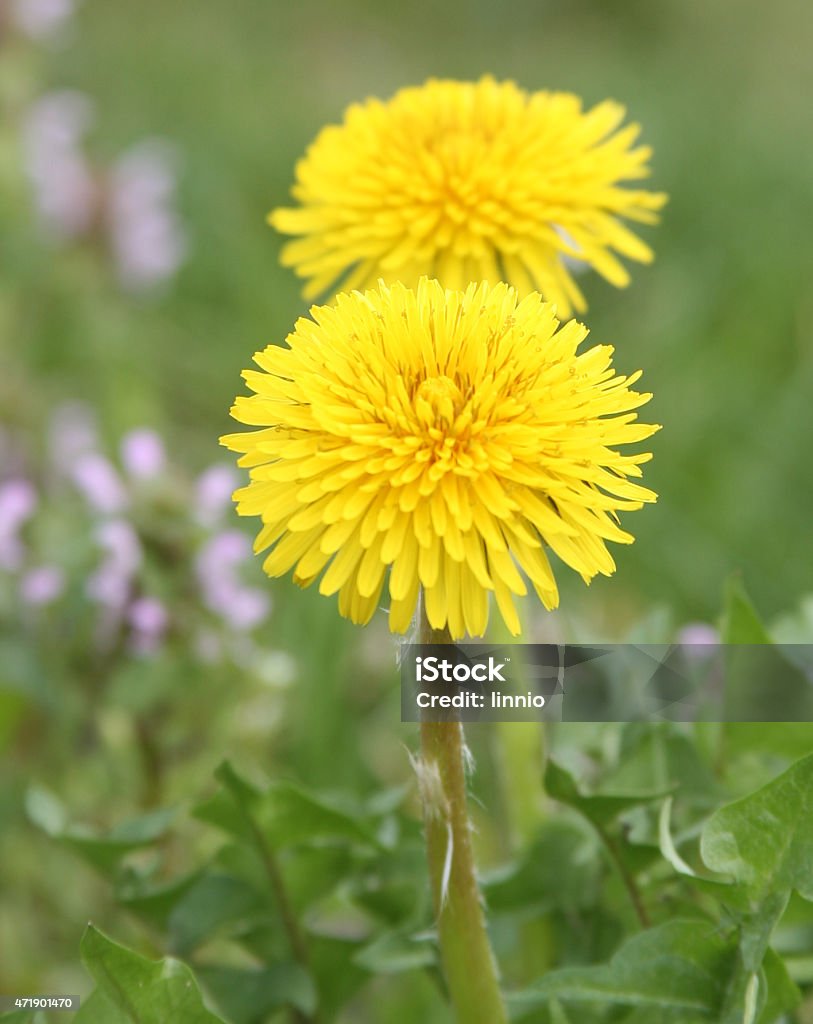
(468, 963)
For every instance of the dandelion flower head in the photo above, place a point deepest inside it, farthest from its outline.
(441, 440)
(469, 181)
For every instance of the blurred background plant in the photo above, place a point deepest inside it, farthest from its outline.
(140, 645)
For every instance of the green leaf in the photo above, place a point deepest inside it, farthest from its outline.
(100, 1009)
(757, 928)
(559, 869)
(314, 872)
(212, 905)
(292, 815)
(45, 810)
(152, 902)
(751, 658)
(332, 962)
(599, 809)
(783, 995)
(232, 807)
(764, 841)
(394, 952)
(104, 851)
(143, 991)
(680, 967)
(786, 740)
(741, 624)
(248, 997)
(733, 895)
(284, 813)
(657, 756)
(557, 1013)
(145, 829)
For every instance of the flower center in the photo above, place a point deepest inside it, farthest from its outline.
(438, 401)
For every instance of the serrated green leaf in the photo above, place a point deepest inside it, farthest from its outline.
(679, 967)
(144, 991)
(764, 841)
(599, 808)
(249, 996)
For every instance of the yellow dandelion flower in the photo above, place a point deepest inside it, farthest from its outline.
(469, 181)
(444, 440)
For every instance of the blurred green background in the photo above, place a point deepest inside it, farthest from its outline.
(720, 324)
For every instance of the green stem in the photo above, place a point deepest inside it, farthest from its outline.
(290, 924)
(295, 937)
(521, 756)
(626, 876)
(468, 963)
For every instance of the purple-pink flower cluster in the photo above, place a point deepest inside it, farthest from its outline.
(120, 508)
(130, 204)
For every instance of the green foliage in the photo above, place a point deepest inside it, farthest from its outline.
(134, 990)
(699, 970)
(598, 809)
(249, 996)
(765, 840)
(286, 813)
(679, 968)
(311, 894)
(668, 882)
